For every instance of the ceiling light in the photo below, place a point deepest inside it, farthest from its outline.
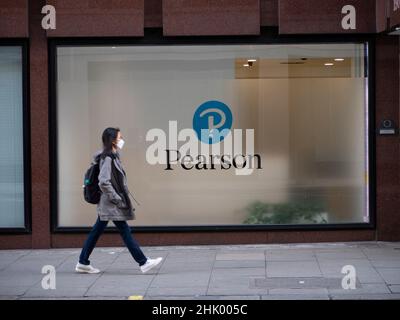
(339, 59)
(246, 65)
(251, 60)
(329, 64)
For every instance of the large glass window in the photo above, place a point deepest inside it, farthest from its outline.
(306, 104)
(11, 138)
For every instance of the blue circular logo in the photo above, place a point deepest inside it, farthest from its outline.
(212, 121)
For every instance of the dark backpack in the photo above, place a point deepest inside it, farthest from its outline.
(91, 189)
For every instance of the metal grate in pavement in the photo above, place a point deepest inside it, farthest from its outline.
(298, 283)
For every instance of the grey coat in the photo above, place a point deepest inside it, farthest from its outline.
(113, 205)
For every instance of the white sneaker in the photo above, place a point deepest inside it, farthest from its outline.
(82, 268)
(150, 264)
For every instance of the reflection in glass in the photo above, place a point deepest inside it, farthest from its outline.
(11, 139)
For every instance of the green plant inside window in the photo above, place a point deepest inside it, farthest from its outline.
(294, 212)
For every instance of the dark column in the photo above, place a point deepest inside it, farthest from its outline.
(387, 147)
(39, 127)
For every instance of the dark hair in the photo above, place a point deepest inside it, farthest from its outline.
(108, 137)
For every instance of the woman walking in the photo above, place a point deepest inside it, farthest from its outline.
(114, 204)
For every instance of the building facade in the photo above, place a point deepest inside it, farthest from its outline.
(305, 98)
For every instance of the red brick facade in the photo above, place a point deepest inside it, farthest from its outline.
(129, 18)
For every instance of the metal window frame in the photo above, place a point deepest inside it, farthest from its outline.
(268, 35)
(26, 136)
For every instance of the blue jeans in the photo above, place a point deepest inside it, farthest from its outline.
(125, 232)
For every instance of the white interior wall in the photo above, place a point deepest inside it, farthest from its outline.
(309, 133)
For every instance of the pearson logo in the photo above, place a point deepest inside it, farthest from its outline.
(210, 145)
(212, 121)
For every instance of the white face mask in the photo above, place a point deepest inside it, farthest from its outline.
(120, 143)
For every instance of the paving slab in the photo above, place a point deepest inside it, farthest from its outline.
(298, 283)
(367, 288)
(120, 285)
(290, 255)
(181, 279)
(177, 291)
(64, 292)
(307, 268)
(241, 256)
(239, 264)
(390, 275)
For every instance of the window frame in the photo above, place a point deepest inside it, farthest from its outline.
(268, 35)
(26, 136)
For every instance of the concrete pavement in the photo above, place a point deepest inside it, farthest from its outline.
(292, 271)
